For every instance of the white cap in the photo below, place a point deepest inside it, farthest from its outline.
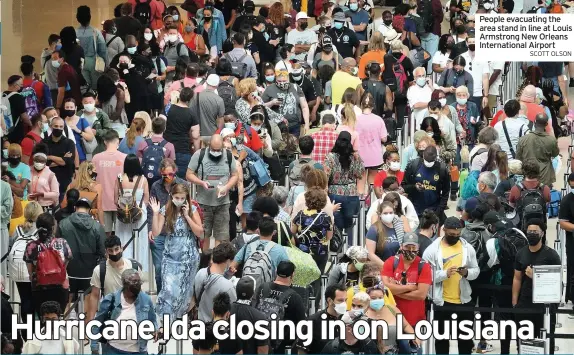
(213, 80)
(301, 15)
(226, 132)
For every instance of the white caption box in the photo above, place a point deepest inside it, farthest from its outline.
(525, 37)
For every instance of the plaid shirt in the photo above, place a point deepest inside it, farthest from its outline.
(324, 142)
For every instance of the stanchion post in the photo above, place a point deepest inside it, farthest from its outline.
(323, 303)
(362, 223)
(312, 303)
(193, 191)
(179, 347)
(151, 268)
(355, 230)
(430, 347)
(546, 329)
(288, 350)
(135, 245)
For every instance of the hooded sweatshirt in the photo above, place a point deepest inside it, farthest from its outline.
(85, 236)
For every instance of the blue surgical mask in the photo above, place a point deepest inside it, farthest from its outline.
(266, 35)
(354, 7)
(376, 305)
(338, 25)
(58, 46)
(45, 127)
(175, 17)
(421, 82)
(132, 50)
(55, 64)
(230, 125)
(461, 101)
(270, 78)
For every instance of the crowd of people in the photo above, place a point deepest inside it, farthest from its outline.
(229, 152)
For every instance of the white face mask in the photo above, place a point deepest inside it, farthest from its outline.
(387, 218)
(429, 164)
(89, 107)
(395, 165)
(39, 166)
(172, 38)
(442, 101)
(341, 308)
(430, 134)
(178, 203)
(148, 36)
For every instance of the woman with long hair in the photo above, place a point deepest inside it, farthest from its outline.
(249, 98)
(391, 167)
(85, 182)
(24, 234)
(431, 127)
(385, 236)
(68, 205)
(348, 123)
(350, 96)
(133, 138)
(344, 169)
(376, 53)
(73, 52)
(133, 183)
(147, 132)
(495, 156)
(79, 125)
(278, 22)
(440, 59)
(372, 134)
(46, 226)
(179, 220)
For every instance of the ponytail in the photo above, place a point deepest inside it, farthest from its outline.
(45, 224)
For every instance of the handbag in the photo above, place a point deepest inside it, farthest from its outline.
(100, 66)
(89, 146)
(307, 269)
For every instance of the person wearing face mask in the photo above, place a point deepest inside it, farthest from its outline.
(326, 55)
(127, 304)
(212, 28)
(385, 236)
(19, 120)
(447, 128)
(348, 273)
(480, 72)
(344, 38)
(386, 22)
(39, 127)
(441, 58)
(336, 298)
(81, 128)
(455, 77)
(360, 18)
(247, 135)
(191, 39)
(454, 262)
(537, 253)
(302, 37)
(298, 77)
(261, 40)
(427, 183)
(174, 48)
(20, 170)
(44, 186)
(350, 344)
(114, 43)
(50, 72)
(409, 279)
(62, 154)
(51, 311)
(566, 216)
(391, 167)
(418, 97)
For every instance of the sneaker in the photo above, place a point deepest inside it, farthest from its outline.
(484, 348)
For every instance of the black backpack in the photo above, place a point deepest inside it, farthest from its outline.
(202, 155)
(530, 204)
(425, 12)
(477, 237)
(238, 68)
(142, 12)
(227, 92)
(379, 90)
(508, 243)
(103, 266)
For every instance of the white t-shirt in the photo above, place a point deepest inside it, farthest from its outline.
(441, 60)
(113, 280)
(495, 87)
(478, 69)
(301, 37)
(284, 65)
(516, 129)
(52, 346)
(130, 343)
(416, 94)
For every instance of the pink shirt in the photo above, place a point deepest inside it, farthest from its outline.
(354, 135)
(168, 149)
(45, 181)
(109, 165)
(176, 85)
(372, 130)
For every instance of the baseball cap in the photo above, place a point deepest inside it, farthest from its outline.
(357, 253)
(245, 288)
(301, 16)
(249, 6)
(410, 238)
(327, 41)
(285, 269)
(83, 202)
(453, 223)
(339, 16)
(213, 80)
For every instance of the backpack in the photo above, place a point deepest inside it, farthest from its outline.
(103, 266)
(8, 119)
(425, 12)
(258, 265)
(191, 54)
(554, 204)
(507, 244)
(295, 170)
(399, 82)
(17, 267)
(391, 125)
(50, 268)
(127, 209)
(142, 12)
(227, 92)
(475, 236)
(270, 305)
(419, 23)
(397, 260)
(202, 155)
(238, 68)
(31, 99)
(152, 156)
(530, 204)
(259, 171)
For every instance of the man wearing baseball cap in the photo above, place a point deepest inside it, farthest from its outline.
(302, 37)
(566, 217)
(454, 262)
(409, 278)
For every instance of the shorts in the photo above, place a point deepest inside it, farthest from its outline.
(248, 203)
(109, 221)
(78, 285)
(216, 221)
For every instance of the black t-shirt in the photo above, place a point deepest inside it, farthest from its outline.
(17, 108)
(240, 20)
(345, 40)
(424, 243)
(379, 91)
(392, 58)
(227, 346)
(307, 87)
(551, 69)
(337, 346)
(179, 122)
(318, 342)
(226, 7)
(525, 258)
(244, 312)
(127, 25)
(59, 149)
(566, 213)
(458, 49)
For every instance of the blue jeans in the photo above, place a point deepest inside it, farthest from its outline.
(429, 42)
(157, 256)
(182, 162)
(344, 216)
(295, 130)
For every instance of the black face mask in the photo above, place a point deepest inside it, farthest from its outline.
(115, 257)
(471, 47)
(135, 289)
(460, 29)
(56, 132)
(451, 239)
(449, 45)
(68, 113)
(215, 158)
(124, 66)
(388, 22)
(327, 50)
(304, 26)
(14, 160)
(94, 175)
(420, 153)
(533, 238)
(207, 19)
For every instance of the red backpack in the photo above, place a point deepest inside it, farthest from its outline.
(50, 269)
(400, 75)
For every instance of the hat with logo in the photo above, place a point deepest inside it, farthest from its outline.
(411, 238)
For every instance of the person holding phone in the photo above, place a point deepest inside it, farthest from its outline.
(453, 260)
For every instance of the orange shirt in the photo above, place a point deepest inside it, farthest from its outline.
(370, 56)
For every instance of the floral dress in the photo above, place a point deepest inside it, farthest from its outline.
(178, 268)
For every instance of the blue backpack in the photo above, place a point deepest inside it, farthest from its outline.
(554, 205)
(151, 159)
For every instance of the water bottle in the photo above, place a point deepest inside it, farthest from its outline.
(404, 278)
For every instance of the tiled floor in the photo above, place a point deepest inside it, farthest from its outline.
(26, 25)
